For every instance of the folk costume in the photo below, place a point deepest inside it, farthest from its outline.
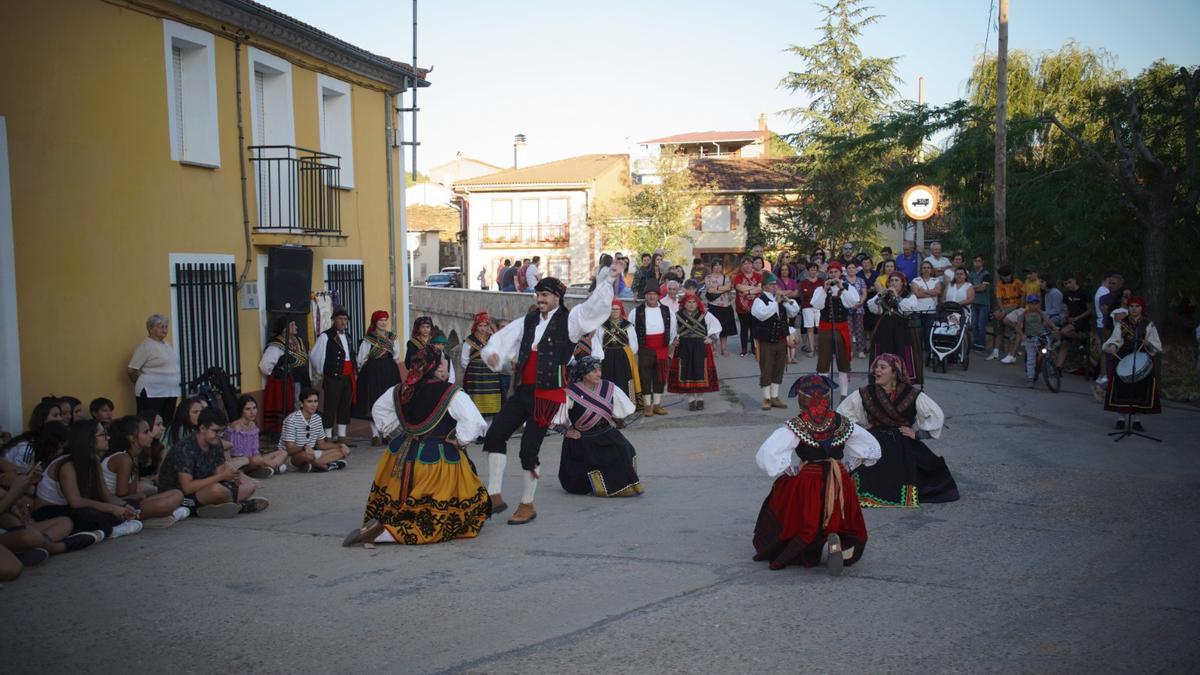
(285, 364)
(834, 343)
(894, 334)
(908, 473)
(693, 369)
(480, 383)
(331, 364)
(1141, 397)
(601, 461)
(812, 513)
(378, 371)
(772, 322)
(415, 343)
(425, 489)
(440, 342)
(620, 342)
(655, 327)
(543, 346)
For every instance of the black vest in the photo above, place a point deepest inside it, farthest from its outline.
(335, 356)
(773, 329)
(554, 350)
(639, 324)
(834, 311)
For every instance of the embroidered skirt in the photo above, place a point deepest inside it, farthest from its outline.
(797, 517)
(602, 464)
(427, 492)
(693, 369)
(620, 367)
(483, 386)
(906, 474)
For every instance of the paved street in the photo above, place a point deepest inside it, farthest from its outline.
(1067, 552)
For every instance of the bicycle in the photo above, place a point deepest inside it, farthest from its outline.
(1047, 347)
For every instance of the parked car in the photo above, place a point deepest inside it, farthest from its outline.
(440, 280)
(456, 276)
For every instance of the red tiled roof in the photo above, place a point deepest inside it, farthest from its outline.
(745, 175)
(570, 171)
(709, 137)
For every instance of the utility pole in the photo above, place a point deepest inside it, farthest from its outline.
(1000, 245)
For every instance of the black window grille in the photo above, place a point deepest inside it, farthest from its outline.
(207, 321)
(346, 280)
(297, 189)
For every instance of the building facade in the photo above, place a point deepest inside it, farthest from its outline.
(155, 155)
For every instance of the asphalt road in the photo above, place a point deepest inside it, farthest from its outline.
(1068, 552)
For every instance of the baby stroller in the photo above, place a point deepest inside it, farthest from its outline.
(950, 337)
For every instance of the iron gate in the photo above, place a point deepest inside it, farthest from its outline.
(346, 279)
(207, 320)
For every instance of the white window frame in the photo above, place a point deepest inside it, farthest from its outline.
(711, 219)
(198, 142)
(174, 259)
(337, 130)
(257, 59)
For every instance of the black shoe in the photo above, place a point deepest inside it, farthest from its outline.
(33, 557)
(1120, 425)
(336, 465)
(80, 541)
(1137, 426)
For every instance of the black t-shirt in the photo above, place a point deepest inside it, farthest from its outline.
(1077, 302)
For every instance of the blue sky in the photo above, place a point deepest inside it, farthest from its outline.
(583, 77)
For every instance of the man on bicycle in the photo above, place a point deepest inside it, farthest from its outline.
(1030, 324)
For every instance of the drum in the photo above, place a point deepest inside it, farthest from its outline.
(1134, 367)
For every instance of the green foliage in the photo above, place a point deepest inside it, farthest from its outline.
(658, 215)
(752, 205)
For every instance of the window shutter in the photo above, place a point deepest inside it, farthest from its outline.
(260, 115)
(177, 72)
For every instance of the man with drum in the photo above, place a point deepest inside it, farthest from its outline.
(1133, 387)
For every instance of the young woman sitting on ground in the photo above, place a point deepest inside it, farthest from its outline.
(30, 542)
(130, 439)
(150, 460)
(242, 434)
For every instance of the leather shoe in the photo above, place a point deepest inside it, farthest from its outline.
(776, 403)
(498, 505)
(648, 411)
(766, 404)
(365, 534)
(376, 441)
(524, 513)
(659, 410)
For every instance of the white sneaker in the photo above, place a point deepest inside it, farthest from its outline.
(181, 513)
(995, 355)
(1008, 359)
(126, 528)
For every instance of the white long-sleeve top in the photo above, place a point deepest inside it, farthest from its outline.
(270, 357)
(622, 408)
(770, 307)
(1151, 338)
(581, 320)
(364, 351)
(906, 305)
(469, 426)
(316, 357)
(849, 296)
(777, 454)
(654, 323)
(631, 332)
(929, 414)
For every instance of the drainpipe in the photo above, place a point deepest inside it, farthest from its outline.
(405, 272)
(237, 69)
(389, 139)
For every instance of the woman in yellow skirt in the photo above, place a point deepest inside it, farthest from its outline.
(426, 489)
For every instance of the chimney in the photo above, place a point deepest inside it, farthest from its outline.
(518, 150)
(766, 134)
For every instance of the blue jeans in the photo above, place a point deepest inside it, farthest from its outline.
(980, 318)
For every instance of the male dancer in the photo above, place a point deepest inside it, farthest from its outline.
(833, 338)
(654, 324)
(330, 359)
(542, 343)
(771, 334)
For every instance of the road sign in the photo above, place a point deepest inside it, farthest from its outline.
(920, 202)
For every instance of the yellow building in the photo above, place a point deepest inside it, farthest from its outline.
(154, 152)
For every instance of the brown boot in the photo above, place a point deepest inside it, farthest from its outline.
(776, 403)
(659, 410)
(365, 534)
(376, 441)
(766, 404)
(648, 410)
(524, 514)
(498, 505)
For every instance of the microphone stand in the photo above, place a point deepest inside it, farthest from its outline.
(1128, 430)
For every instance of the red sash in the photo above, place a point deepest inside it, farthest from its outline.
(657, 342)
(545, 401)
(842, 327)
(348, 371)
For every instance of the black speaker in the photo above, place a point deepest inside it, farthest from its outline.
(289, 279)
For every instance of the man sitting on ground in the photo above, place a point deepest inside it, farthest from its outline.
(304, 439)
(211, 486)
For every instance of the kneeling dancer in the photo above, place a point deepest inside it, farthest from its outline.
(542, 343)
(896, 413)
(812, 514)
(425, 488)
(693, 369)
(596, 458)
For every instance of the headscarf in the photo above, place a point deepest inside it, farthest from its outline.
(421, 320)
(375, 317)
(422, 363)
(813, 392)
(583, 366)
(480, 319)
(835, 265)
(691, 295)
(1136, 300)
(893, 361)
(617, 304)
(551, 285)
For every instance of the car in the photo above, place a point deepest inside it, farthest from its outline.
(456, 276)
(440, 280)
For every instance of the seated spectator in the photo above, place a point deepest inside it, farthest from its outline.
(197, 468)
(243, 435)
(149, 462)
(73, 486)
(304, 440)
(24, 542)
(47, 410)
(101, 410)
(187, 416)
(72, 409)
(48, 445)
(1008, 298)
(130, 439)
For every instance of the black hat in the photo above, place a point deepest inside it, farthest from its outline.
(551, 285)
(339, 311)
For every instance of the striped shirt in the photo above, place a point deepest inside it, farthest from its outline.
(304, 433)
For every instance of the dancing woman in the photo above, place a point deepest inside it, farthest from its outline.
(596, 458)
(897, 414)
(425, 488)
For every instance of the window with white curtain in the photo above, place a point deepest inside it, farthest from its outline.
(191, 95)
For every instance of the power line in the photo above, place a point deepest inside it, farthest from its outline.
(988, 33)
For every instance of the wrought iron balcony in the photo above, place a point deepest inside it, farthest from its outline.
(297, 189)
(542, 235)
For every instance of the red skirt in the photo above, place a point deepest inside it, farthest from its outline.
(790, 529)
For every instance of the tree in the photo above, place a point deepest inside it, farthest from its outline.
(847, 91)
(657, 215)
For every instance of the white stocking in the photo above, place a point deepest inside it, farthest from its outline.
(496, 463)
(774, 390)
(530, 488)
(341, 430)
(329, 432)
(657, 399)
(844, 383)
(374, 430)
(385, 537)
(766, 392)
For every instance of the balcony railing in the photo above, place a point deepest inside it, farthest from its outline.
(549, 235)
(297, 189)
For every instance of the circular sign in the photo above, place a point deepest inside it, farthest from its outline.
(920, 202)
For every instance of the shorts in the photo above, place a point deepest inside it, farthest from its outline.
(811, 317)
